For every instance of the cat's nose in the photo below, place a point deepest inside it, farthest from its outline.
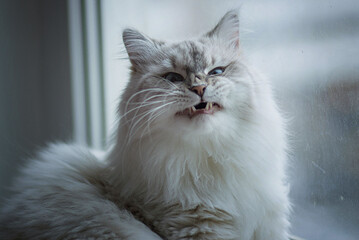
(199, 90)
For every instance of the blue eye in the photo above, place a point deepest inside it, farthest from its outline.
(216, 71)
(173, 77)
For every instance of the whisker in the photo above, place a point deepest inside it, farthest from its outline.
(131, 134)
(143, 91)
(147, 113)
(144, 104)
(149, 121)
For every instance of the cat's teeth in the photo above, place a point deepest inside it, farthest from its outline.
(193, 109)
(209, 106)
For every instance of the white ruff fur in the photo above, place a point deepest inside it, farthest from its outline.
(169, 176)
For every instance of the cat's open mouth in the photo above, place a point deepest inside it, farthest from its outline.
(201, 108)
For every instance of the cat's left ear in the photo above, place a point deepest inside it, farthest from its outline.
(227, 29)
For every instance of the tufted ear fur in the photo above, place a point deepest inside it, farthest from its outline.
(227, 29)
(140, 48)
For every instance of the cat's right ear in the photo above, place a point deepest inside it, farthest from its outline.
(139, 48)
(227, 29)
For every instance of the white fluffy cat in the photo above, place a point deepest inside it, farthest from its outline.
(200, 154)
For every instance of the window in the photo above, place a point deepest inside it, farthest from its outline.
(309, 49)
(87, 72)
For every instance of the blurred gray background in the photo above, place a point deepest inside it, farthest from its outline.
(309, 50)
(35, 96)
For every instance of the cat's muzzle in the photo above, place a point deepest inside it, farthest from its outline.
(201, 108)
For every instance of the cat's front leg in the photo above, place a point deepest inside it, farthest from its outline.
(200, 222)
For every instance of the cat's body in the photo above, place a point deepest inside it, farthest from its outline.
(200, 154)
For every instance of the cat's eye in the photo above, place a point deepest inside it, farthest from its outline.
(173, 77)
(216, 71)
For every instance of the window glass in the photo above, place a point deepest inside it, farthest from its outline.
(309, 50)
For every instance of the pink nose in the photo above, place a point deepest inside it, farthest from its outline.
(199, 90)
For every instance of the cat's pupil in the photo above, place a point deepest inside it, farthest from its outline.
(216, 71)
(173, 77)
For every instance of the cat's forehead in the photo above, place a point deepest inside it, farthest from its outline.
(194, 56)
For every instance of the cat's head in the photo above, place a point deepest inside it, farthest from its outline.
(193, 87)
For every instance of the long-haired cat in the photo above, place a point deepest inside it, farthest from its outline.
(200, 154)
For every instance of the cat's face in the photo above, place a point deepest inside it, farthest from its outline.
(197, 86)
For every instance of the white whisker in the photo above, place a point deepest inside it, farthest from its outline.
(145, 103)
(143, 91)
(132, 132)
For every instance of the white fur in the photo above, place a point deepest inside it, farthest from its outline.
(219, 176)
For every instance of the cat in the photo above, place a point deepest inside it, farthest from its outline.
(200, 153)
